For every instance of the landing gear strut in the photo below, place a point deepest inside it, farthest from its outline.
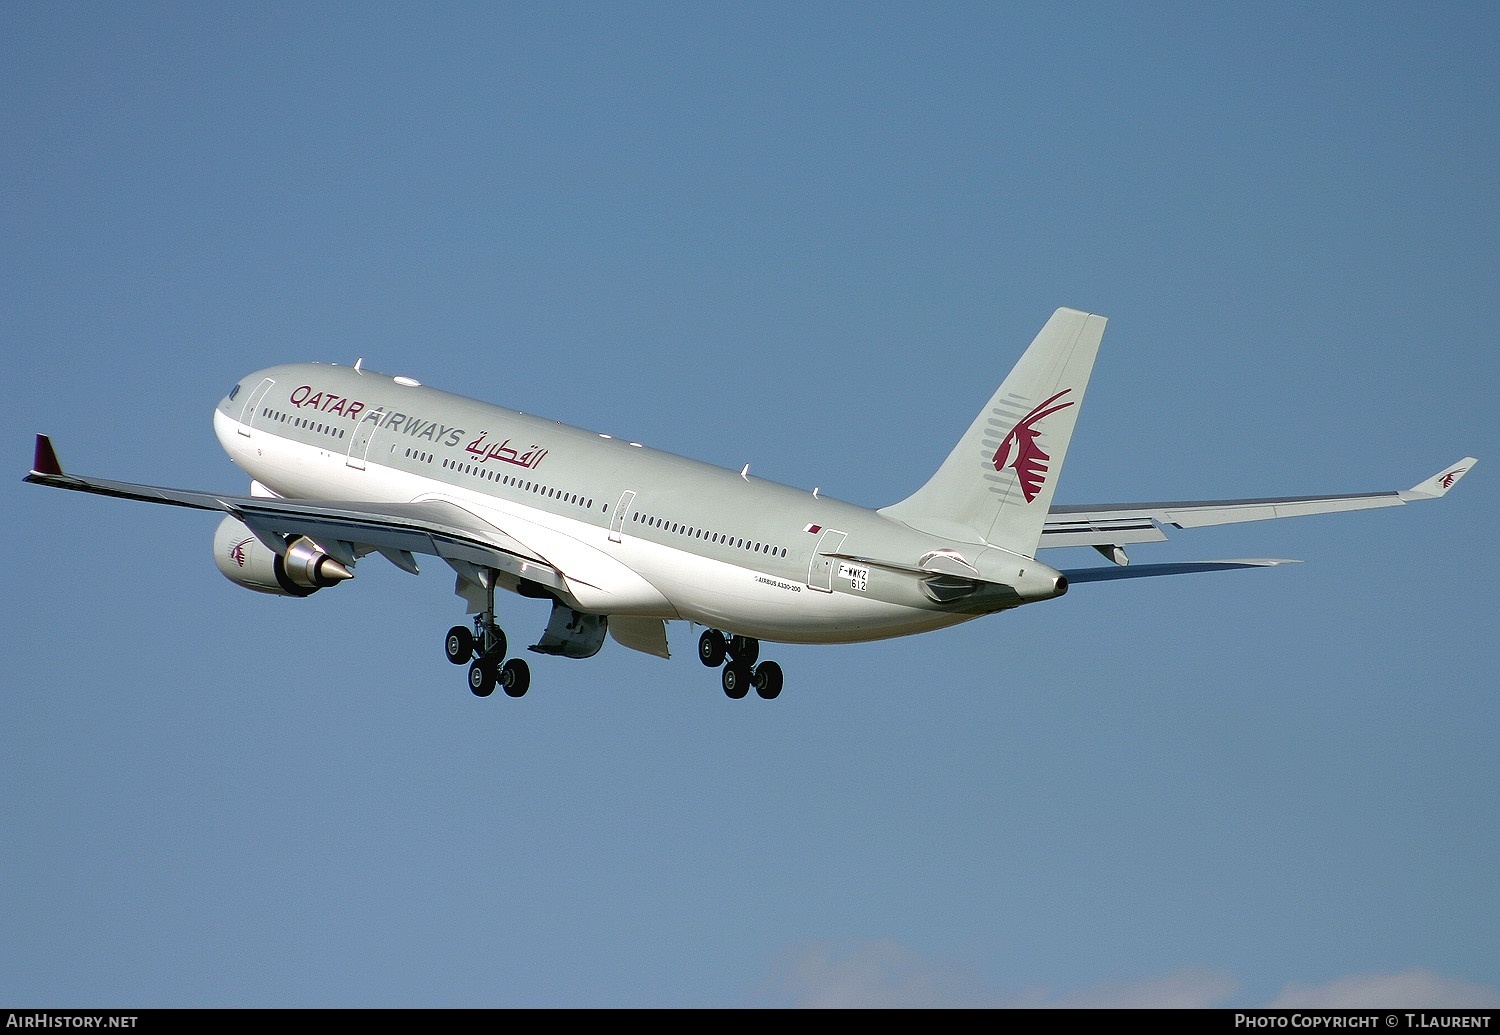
(741, 672)
(483, 650)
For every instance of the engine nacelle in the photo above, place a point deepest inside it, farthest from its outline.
(246, 561)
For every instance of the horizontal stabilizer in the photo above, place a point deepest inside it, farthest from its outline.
(1146, 571)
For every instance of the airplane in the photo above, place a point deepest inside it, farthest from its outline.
(620, 538)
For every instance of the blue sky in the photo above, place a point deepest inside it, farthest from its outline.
(812, 238)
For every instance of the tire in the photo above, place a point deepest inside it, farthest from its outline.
(736, 680)
(515, 677)
(459, 646)
(767, 680)
(711, 648)
(481, 679)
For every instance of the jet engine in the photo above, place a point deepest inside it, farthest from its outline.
(246, 561)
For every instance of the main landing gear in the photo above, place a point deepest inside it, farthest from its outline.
(485, 653)
(483, 650)
(740, 672)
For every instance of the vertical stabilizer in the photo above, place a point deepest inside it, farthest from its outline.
(997, 484)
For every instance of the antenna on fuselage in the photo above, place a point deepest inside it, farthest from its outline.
(357, 363)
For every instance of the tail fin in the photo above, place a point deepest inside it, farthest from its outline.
(997, 484)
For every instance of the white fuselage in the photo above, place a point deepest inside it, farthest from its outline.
(632, 530)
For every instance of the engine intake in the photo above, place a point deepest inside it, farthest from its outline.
(246, 561)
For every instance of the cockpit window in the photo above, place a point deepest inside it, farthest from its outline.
(234, 391)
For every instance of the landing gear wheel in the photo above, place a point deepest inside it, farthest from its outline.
(743, 648)
(482, 678)
(514, 677)
(711, 648)
(736, 680)
(459, 646)
(767, 679)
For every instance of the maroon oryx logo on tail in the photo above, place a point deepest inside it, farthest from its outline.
(1020, 452)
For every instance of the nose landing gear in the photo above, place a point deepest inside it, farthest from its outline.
(741, 672)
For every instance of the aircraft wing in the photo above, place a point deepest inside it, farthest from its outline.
(1113, 525)
(343, 528)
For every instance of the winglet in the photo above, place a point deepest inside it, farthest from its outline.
(46, 458)
(1439, 483)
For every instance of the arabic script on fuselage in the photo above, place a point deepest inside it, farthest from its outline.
(504, 452)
